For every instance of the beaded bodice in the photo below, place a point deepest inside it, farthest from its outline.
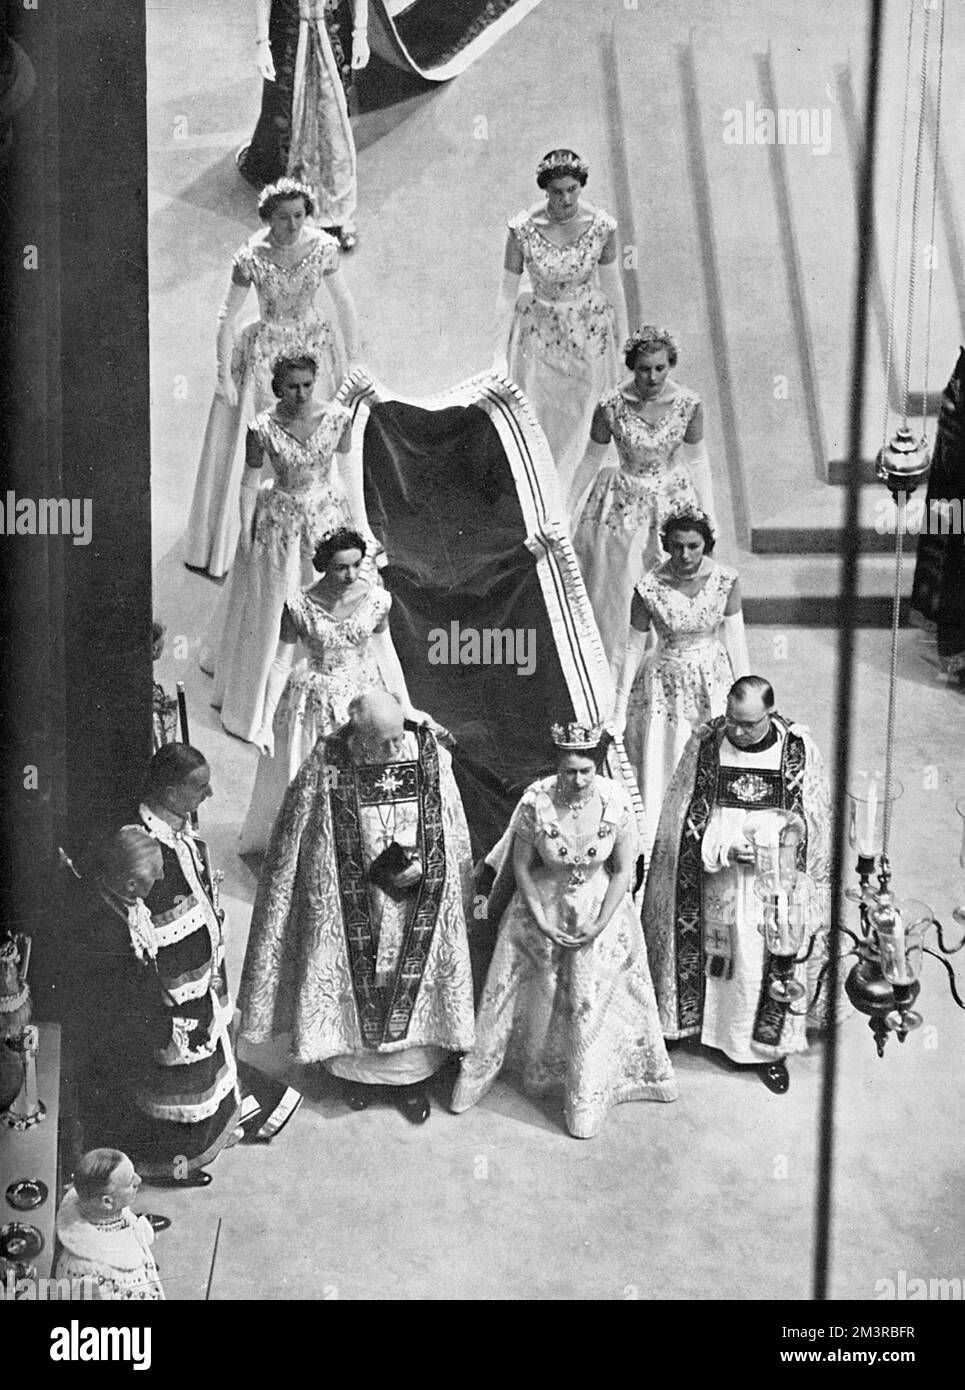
(685, 623)
(338, 645)
(286, 294)
(561, 272)
(646, 450)
(299, 467)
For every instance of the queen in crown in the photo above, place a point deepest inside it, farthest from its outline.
(568, 1004)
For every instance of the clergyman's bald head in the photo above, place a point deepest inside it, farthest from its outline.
(378, 725)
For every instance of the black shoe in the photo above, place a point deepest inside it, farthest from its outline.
(356, 1097)
(413, 1103)
(159, 1223)
(775, 1077)
(199, 1178)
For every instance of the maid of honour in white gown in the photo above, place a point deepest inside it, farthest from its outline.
(281, 526)
(287, 263)
(559, 342)
(343, 620)
(693, 604)
(658, 428)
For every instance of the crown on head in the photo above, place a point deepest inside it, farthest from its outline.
(563, 159)
(576, 737)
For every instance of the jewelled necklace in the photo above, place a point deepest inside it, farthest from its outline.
(578, 857)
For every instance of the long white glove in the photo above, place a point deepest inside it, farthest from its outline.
(230, 308)
(348, 323)
(584, 477)
(263, 59)
(360, 34)
(611, 283)
(503, 321)
(632, 656)
(390, 668)
(278, 673)
(735, 644)
(349, 471)
(696, 458)
(248, 500)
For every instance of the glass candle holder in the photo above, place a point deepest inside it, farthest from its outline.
(866, 811)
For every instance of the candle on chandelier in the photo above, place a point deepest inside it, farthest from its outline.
(783, 932)
(866, 838)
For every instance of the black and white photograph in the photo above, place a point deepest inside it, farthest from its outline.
(483, 637)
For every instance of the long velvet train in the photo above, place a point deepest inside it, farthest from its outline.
(490, 616)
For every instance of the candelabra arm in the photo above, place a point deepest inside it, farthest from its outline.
(952, 981)
(826, 966)
(946, 950)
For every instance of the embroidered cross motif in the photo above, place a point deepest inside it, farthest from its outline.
(749, 787)
(388, 783)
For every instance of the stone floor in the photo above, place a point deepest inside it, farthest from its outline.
(713, 1197)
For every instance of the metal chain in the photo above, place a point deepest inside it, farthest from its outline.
(889, 354)
(901, 502)
(934, 201)
(915, 208)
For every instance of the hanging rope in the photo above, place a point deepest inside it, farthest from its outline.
(915, 208)
(889, 354)
(901, 504)
(934, 202)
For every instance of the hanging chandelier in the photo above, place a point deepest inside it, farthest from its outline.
(890, 943)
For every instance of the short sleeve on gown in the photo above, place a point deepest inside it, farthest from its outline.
(339, 415)
(689, 402)
(329, 253)
(381, 601)
(619, 814)
(525, 826)
(519, 226)
(241, 269)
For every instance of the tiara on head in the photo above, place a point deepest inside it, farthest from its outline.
(562, 159)
(650, 333)
(576, 737)
(685, 514)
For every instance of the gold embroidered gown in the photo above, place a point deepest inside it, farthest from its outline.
(583, 1022)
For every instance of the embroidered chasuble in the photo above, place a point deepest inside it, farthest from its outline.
(355, 973)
